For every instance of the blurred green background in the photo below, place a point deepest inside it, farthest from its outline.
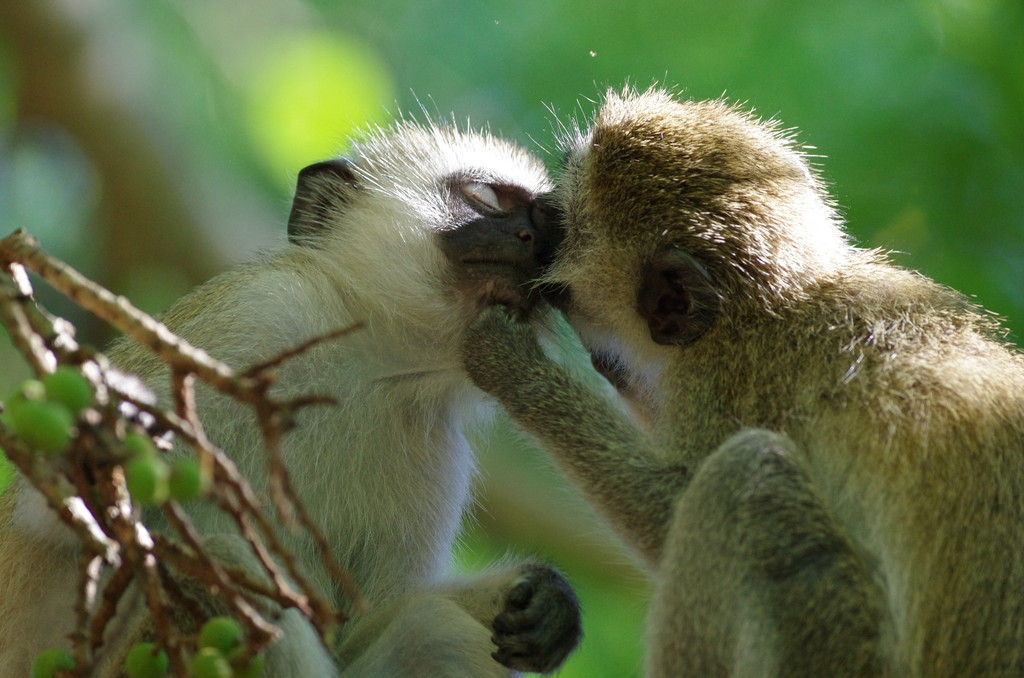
(151, 143)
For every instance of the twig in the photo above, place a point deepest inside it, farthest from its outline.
(86, 486)
(58, 494)
(31, 345)
(23, 249)
(113, 592)
(284, 356)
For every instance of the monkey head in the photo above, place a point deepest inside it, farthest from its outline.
(452, 212)
(681, 217)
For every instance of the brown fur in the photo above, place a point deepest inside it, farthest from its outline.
(879, 530)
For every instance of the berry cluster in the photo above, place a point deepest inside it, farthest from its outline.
(151, 480)
(222, 654)
(42, 412)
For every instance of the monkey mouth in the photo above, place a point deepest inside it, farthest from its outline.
(497, 269)
(609, 368)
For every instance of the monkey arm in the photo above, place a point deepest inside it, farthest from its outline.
(525, 616)
(612, 460)
(530, 610)
(753, 568)
(756, 563)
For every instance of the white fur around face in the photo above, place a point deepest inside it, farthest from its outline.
(381, 253)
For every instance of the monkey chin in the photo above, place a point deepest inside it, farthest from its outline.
(484, 284)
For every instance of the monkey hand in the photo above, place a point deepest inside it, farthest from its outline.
(540, 624)
(499, 350)
(512, 296)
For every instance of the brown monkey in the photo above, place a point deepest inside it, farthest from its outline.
(401, 237)
(832, 482)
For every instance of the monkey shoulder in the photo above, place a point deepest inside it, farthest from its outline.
(917, 361)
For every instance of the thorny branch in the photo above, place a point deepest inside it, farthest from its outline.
(85, 486)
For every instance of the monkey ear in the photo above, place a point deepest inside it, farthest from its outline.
(677, 298)
(320, 190)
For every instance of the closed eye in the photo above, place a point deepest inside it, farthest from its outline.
(481, 196)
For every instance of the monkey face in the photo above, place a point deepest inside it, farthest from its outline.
(682, 218)
(453, 214)
(497, 247)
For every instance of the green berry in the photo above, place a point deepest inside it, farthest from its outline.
(222, 633)
(69, 387)
(48, 662)
(30, 389)
(209, 663)
(43, 425)
(187, 479)
(253, 669)
(139, 445)
(142, 662)
(147, 479)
